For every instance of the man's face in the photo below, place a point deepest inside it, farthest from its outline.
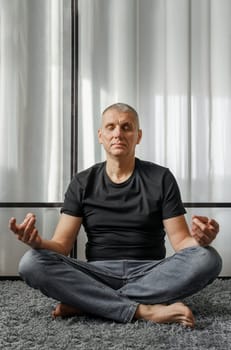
(119, 133)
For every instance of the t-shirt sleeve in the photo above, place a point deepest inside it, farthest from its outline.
(172, 205)
(73, 199)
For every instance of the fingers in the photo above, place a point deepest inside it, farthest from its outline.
(24, 229)
(203, 239)
(204, 230)
(204, 222)
(206, 226)
(200, 218)
(27, 228)
(12, 225)
(28, 218)
(214, 224)
(200, 221)
(33, 236)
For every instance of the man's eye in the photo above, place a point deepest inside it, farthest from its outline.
(110, 127)
(126, 127)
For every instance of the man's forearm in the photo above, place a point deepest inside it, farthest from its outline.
(187, 243)
(54, 246)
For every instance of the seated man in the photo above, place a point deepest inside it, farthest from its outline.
(125, 205)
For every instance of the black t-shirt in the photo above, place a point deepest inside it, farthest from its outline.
(124, 221)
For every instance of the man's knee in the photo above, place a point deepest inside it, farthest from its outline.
(32, 266)
(209, 262)
(27, 264)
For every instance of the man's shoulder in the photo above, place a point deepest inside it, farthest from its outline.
(148, 166)
(84, 175)
(94, 168)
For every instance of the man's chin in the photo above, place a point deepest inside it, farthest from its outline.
(118, 153)
(118, 150)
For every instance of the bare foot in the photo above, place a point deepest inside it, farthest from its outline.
(174, 313)
(64, 310)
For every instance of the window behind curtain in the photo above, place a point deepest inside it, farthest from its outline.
(35, 116)
(171, 61)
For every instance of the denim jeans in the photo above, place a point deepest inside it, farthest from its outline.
(113, 289)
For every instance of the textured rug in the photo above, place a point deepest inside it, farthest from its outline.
(25, 323)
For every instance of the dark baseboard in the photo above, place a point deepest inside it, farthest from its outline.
(10, 278)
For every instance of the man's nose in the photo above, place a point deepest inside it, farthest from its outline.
(117, 131)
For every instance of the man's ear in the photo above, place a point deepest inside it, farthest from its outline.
(139, 136)
(100, 136)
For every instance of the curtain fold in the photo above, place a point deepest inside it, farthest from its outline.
(32, 113)
(171, 60)
(35, 116)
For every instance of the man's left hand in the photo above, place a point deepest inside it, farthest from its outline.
(204, 230)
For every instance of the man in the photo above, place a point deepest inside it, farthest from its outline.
(125, 205)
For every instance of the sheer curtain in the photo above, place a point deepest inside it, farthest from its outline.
(35, 116)
(32, 123)
(171, 60)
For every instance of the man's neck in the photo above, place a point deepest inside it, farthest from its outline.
(119, 170)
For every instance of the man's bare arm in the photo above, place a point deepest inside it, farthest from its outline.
(178, 233)
(62, 240)
(203, 232)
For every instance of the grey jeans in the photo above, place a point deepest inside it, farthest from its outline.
(113, 289)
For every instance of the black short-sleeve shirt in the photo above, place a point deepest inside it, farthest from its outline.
(124, 221)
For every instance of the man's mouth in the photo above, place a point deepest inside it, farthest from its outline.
(118, 144)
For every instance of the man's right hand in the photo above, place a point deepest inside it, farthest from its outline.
(26, 231)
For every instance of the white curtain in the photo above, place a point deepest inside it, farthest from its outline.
(35, 115)
(171, 60)
(32, 122)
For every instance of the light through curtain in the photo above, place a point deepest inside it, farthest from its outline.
(171, 60)
(35, 116)
(32, 123)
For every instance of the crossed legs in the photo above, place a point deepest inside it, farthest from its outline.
(152, 294)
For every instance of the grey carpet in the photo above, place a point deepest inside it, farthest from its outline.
(25, 323)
